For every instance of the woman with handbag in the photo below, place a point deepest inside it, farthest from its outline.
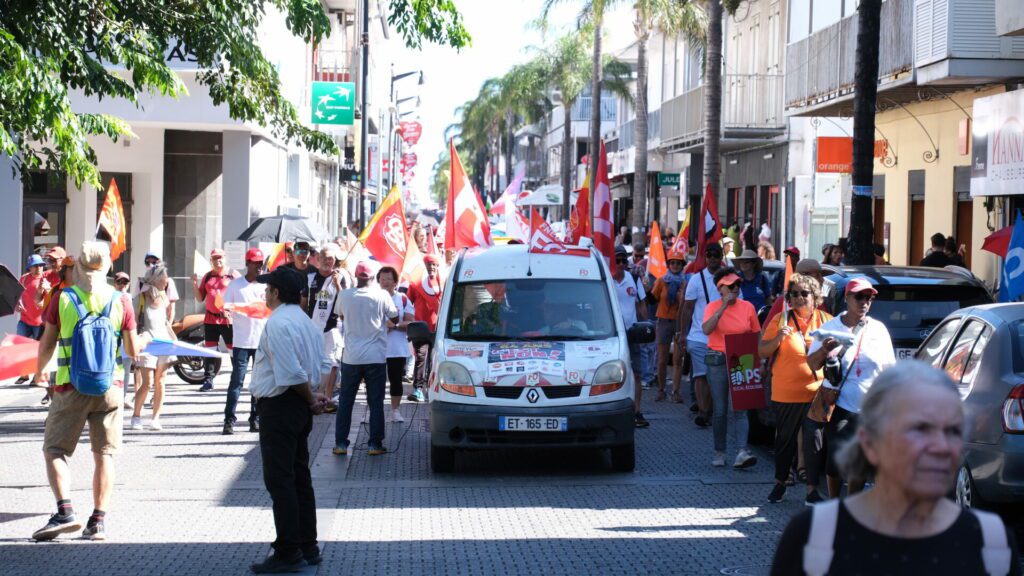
(786, 340)
(850, 371)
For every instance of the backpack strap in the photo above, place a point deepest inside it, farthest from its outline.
(995, 551)
(77, 302)
(110, 304)
(820, 541)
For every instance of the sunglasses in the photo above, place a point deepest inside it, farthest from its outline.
(617, 260)
(120, 282)
(715, 256)
(797, 293)
(864, 297)
(301, 252)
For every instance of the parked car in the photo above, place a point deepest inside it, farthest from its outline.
(982, 350)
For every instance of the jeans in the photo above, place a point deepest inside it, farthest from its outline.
(421, 371)
(240, 358)
(351, 376)
(648, 355)
(27, 331)
(721, 400)
(284, 435)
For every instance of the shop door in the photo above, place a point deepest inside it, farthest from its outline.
(916, 231)
(878, 213)
(44, 214)
(964, 226)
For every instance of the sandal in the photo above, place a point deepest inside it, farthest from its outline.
(801, 475)
(791, 479)
(677, 399)
(660, 396)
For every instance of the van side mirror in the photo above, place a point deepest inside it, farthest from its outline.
(640, 333)
(418, 333)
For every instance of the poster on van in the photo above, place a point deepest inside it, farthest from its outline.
(512, 358)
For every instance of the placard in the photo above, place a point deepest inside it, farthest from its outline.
(746, 384)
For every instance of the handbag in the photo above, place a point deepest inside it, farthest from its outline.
(824, 401)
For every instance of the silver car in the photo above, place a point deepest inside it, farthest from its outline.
(980, 347)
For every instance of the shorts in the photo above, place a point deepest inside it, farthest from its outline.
(664, 331)
(697, 351)
(152, 362)
(70, 410)
(212, 333)
(634, 358)
(334, 345)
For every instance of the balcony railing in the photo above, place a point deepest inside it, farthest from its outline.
(627, 133)
(750, 101)
(332, 65)
(821, 67)
(582, 109)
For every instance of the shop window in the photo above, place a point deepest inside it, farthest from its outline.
(44, 212)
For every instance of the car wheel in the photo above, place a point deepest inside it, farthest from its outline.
(966, 495)
(624, 457)
(442, 460)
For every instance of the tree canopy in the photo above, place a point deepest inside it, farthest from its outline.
(111, 49)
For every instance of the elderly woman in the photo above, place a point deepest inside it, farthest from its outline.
(755, 288)
(852, 370)
(786, 340)
(910, 439)
(723, 317)
(154, 318)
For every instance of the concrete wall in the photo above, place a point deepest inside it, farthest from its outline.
(236, 199)
(10, 223)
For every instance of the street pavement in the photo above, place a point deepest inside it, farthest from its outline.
(191, 501)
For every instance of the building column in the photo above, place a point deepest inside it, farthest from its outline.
(82, 216)
(235, 201)
(10, 223)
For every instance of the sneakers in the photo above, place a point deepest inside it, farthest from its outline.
(340, 450)
(228, 430)
(275, 565)
(640, 421)
(744, 459)
(778, 491)
(376, 450)
(396, 416)
(58, 524)
(254, 426)
(95, 530)
(702, 421)
(416, 396)
(719, 459)
(813, 498)
(155, 424)
(312, 556)
(206, 387)
(136, 423)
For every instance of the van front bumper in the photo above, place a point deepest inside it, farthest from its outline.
(470, 426)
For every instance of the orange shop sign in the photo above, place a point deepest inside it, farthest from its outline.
(835, 153)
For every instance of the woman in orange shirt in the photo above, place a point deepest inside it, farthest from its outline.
(730, 315)
(794, 383)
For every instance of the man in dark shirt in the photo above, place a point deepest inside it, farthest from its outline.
(937, 258)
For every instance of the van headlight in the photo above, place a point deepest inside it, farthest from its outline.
(454, 378)
(609, 377)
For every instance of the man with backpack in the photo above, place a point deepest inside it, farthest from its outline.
(86, 327)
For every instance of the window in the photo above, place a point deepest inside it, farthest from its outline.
(960, 353)
(799, 19)
(931, 351)
(974, 362)
(531, 309)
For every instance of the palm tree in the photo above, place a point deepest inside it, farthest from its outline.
(713, 92)
(523, 96)
(858, 248)
(671, 17)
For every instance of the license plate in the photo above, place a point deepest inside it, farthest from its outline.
(904, 353)
(533, 423)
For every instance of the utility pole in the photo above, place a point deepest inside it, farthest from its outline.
(859, 247)
(364, 72)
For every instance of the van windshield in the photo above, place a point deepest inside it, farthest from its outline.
(531, 309)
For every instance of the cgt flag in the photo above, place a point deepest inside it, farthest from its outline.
(708, 230)
(543, 239)
(386, 236)
(657, 266)
(278, 255)
(465, 221)
(112, 221)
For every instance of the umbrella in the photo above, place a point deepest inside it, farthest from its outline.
(10, 291)
(427, 219)
(160, 347)
(998, 242)
(284, 229)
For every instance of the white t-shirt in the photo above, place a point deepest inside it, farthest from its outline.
(629, 292)
(289, 353)
(876, 354)
(398, 342)
(246, 331)
(695, 292)
(365, 312)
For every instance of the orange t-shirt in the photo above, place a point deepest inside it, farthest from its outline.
(792, 379)
(660, 292)
(739, 318)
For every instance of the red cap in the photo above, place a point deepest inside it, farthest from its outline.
(793, 250)
(216, 252)
(57, 253)
(431, 259)
(364, 269)
(254, 255)
(859, 285)
(727, 280)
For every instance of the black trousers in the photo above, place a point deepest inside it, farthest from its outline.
(396, 372)
(789, 420)
(212, 334)
(285, 424)
(421, 370)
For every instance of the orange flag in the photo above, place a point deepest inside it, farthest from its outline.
(112, 220)
(413, 268)
(386, 236)
(257, 310)
(277, 256)
(780, 304)
(657, 266)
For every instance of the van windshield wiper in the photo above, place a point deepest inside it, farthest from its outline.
(480, 338)
(558, 337)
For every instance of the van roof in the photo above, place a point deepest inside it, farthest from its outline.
(513, 261)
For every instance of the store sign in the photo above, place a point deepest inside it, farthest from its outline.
(835, 154)
(997, 159)
(333, 103)
(669, 180)
(411, 132)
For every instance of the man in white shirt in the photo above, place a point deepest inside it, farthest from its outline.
(247, 331)
(700, 291)
(631, 297)
(364, 311)
(290, 365)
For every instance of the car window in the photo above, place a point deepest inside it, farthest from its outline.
(974, 362)
(531, 308)
(931, 350)
(961, 350)
(920, 307)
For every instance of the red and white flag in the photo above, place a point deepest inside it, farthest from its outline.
(543, 239)
(709, 230)
(465, 223)
(604, 230)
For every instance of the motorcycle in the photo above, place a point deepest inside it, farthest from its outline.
(191, 368)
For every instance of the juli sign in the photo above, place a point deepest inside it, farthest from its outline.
(668, 180)
(334, 103)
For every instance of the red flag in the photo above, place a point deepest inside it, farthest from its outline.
(708, 230)
(579, 224)
(112, 220)
(657, 265)
(543, 239)
(19, 356)
(466, 223)
(603, 229)
(386, 236)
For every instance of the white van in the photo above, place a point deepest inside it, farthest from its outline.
(530, 351)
